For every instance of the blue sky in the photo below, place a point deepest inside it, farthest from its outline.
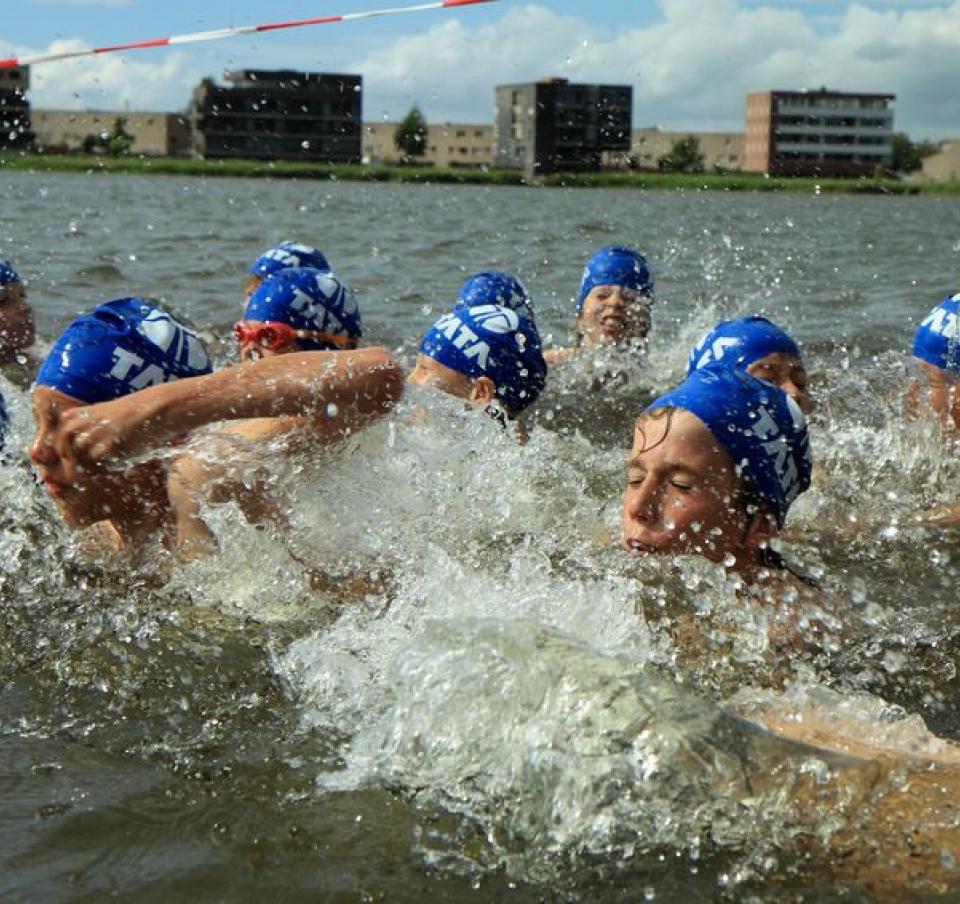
(691, 61)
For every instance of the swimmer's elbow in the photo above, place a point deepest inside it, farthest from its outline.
(386, 377)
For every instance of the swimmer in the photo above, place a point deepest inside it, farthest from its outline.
(496, 287)
(936, 389)
(16, 317)
(298, 309)
(716, 465)
(613, 307)
(118, 348)
(133, 379)
(487, 355)
(285, 255)
(762, 349)
(293, 310)
(936, 346)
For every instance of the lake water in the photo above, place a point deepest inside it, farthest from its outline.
(508, 717)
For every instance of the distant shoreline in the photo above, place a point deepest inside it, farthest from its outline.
(422, 175)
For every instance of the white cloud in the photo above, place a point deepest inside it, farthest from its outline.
(690, 70)
(113, 81)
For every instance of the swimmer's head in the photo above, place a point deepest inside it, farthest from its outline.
(286, 256)
(299, 310)
(119, 348)
(17, 330)
(496, 287)
(483, 354)
(936, 346)
(761, 348)
(937, 339)
(715, 467)
(615, 297)
(8, 276)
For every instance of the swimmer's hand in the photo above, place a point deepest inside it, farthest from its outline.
(121, 427)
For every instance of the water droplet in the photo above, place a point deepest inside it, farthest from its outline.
(893, 662)
(858, 591)
(332, 410)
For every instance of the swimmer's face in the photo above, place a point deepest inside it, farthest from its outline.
(613, 314)
(943, 395)
(16, 321)
(787, 372)
(682, 495)
(429, 372)
(86, 499)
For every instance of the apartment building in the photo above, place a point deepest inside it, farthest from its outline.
(818, 133)
(153, 134)
(279, 115)
(450, 144)
(554, 125)
(721, 150)
(15, 125)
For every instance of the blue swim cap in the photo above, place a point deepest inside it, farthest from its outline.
(120, 347)
(8, 276)
(496, 287)
(616, 265)
(761, 427)
(307, 300)
(493, 341)
(288, 255)
(740, 343)
(937, 340)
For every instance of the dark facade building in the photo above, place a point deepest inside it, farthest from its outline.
(15, 131)
(555, 126)
(818, 133)
(279, 115)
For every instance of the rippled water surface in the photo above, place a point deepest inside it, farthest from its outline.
(484, 699)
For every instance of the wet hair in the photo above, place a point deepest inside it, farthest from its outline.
(251, 284)
(658, 414)
(12, 292)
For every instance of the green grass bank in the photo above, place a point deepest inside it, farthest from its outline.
(256, 169)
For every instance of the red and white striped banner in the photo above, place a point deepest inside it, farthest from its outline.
(219, 33)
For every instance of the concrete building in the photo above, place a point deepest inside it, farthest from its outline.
(818, 133)
(451, 144)
(721, 150)
(279, 115)
(15, 127)
(944, 166)
(553, 125)
(154, 134)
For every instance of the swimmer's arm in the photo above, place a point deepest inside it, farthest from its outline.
(340, 391)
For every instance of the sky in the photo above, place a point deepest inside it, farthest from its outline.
(691, 62)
